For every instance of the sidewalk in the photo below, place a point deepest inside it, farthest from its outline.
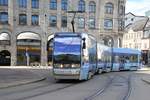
(10, 77)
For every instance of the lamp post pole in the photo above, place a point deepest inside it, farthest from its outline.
(27, 56)
(72, 22)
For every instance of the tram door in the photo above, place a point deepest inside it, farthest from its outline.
(5, 58)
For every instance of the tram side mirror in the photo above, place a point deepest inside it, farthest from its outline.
(84, 44)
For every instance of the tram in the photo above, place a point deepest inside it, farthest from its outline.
(74, 56)
(79, 56)
(126, 59)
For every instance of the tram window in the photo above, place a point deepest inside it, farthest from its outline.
(116, 59)
(134, 58)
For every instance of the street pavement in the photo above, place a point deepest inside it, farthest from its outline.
(14, 76)
(146, 77)
(11, 77)
(115, 85)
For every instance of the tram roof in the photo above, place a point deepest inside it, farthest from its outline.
(126, 50)
(4, 36)
(67, 34)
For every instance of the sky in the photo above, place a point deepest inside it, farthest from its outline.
(137, 7)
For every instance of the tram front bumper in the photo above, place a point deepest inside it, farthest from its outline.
(66, 73)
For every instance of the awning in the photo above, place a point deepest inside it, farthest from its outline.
(4, 36)
(29, 35)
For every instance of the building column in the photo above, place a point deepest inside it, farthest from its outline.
(13, 51)
(44, 52)
(116, 41)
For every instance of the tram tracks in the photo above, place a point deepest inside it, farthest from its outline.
(100, 91)
(28, 93)
(45, 92)
(128, 93)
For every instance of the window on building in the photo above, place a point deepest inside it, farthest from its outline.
(35, 4)
(81, 22)
(92, 7)
(92, 23)
(109, 8)
(120, 42)
(135, 45)
(108, 24)
(22, 3)
(145, 45)
(53, 4)
(3, 18)
(53, 21)
(3, 2)
(64, 4)
(121, 24)
(64, 21)
(121, 10)
(35, 20)
(81, 5)
(139, 45)
(130, 45)
(22, 19)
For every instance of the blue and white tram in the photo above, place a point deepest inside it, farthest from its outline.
(74, 56)
(80, 56)
(104, 58)
(126, 59)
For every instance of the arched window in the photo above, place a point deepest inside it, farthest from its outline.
(81, 5)
(4, 39)
(109, 8)
(53, 4)
(64, 4)
(3, 18)
(92, 7)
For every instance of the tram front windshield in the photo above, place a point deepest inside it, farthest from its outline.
(67, 52)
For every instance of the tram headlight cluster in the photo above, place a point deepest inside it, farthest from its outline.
(67, 65)
(75, 65)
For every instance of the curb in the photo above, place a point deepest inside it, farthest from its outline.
(24, 67)
(22, 83)
(144, 80)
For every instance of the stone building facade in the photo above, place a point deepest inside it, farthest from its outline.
(137, 33)
(26, 25)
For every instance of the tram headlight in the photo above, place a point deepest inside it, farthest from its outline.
(61, 66)
(58, 65)
(75, 65)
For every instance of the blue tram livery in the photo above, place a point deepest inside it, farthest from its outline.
(126, 59)
(79, 56)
